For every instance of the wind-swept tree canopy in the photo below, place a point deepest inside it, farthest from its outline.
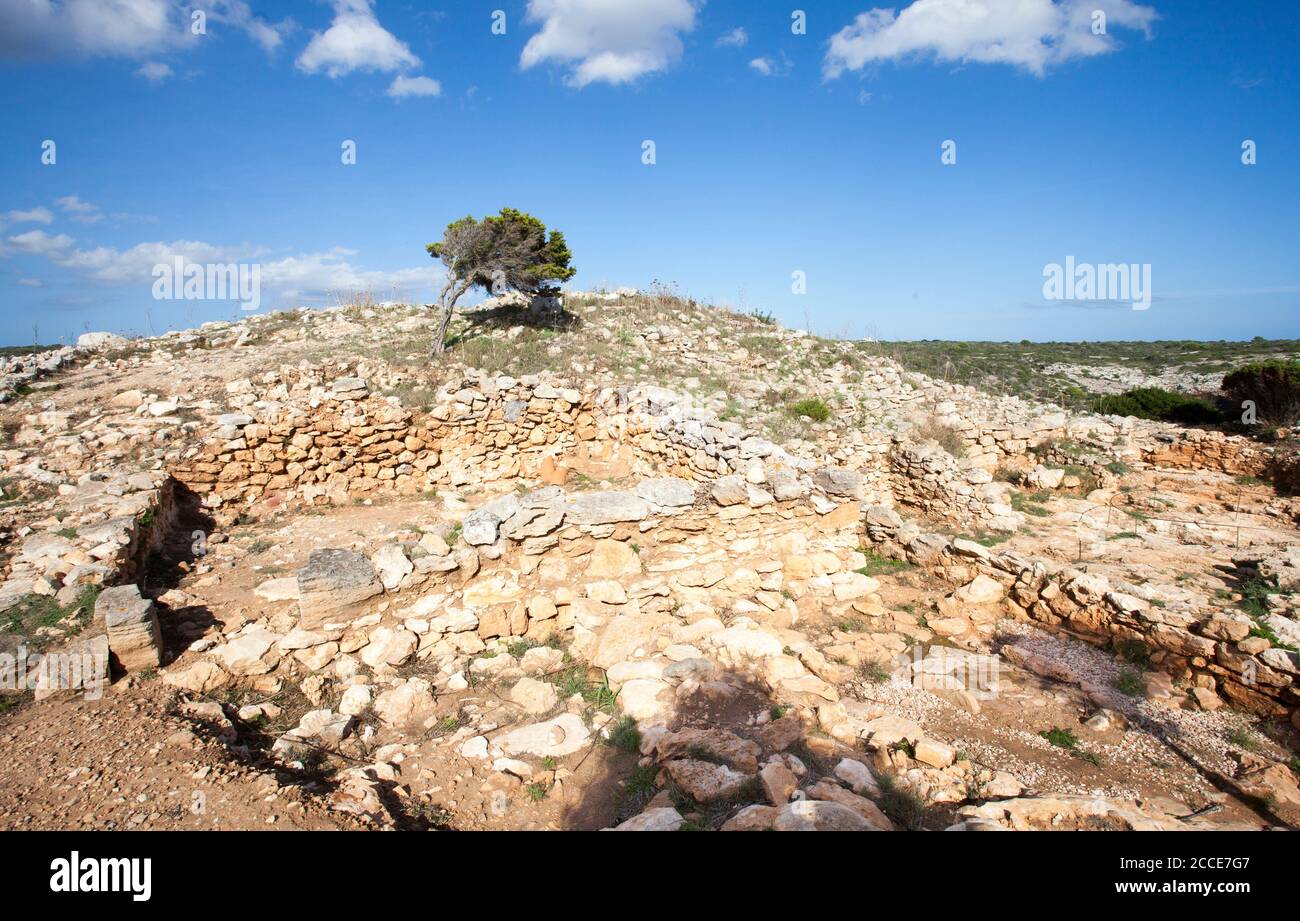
(511, 251)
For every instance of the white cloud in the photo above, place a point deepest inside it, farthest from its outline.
(1031, 34)
(736, 38)
(321, 277)
(291, 280)
(154, 71)
(237, 13)
(771, 67)
(355, 41)
(82, 211)
(118, 28)
(403, 86)
(615, 41)
(31, 282)
(37, 215)
(38, 243)
(111, 266)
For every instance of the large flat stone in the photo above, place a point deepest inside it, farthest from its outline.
(555, 738)
(332, 584)
(591, 508)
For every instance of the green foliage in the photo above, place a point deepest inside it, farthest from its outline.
(1243, 739)
(985, 539)
(878, 565)
(576, 679)
(34, 613)
(1161, 405)
(814, 408)
(1273, 385)
(1061, 738)
(1254, 601)
(873, 672)
(624, 735)
(1030, 504)
(900, 803)
(1134, 652)
(1129, 681)
(513, 248)
(1036, 369)
(518, 647)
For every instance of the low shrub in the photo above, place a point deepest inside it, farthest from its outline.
(814, 408)
(1273, 386)
(1160, 405)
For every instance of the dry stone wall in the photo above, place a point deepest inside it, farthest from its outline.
(927, 477)
(1204, 650)
(340, 441)
(1201, 450)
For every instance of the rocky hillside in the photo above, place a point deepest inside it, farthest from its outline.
(640, 563)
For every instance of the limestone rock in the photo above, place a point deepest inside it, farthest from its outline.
(705, 781)
(664, 818)
(332, 584)
(536, 697)
(409, 706)
(392, 565)
(134, 638)
(613, 559)
(555, 738)
(595, 508)
(818, 815)
(667, 492)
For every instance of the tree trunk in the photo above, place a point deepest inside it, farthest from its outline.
(447, 305)
(444, 321)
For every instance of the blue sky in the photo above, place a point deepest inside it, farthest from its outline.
(775, 153)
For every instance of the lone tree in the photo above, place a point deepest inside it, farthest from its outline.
(510, 252)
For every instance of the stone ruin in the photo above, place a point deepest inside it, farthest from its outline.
(300, 439)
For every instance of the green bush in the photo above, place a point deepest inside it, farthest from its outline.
(1274, 386)
(1161, 405)
(814, 408)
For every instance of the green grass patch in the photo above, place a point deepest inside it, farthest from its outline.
(1030, 504)
(1129, 681)
(35, 613)
(624, 735)
(878, 565)
(1243, 739)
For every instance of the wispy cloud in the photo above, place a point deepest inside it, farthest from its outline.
(772, 67)
(154, 71)
(306, 278)
(79, 210)
(736, 38)
(37, 215)
(403, 86)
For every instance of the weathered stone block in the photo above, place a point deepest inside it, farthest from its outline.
(134, 638)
